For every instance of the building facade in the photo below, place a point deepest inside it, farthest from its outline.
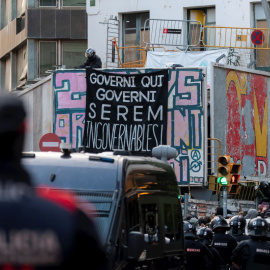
(131, 20)
(38, 36)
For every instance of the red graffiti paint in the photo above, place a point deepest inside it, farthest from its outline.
(246, 115)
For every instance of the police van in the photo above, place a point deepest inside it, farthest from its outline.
(135, 202)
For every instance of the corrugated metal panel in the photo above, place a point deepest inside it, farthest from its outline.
(56, 24)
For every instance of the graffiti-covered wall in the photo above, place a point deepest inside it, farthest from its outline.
(241, 119)
(186, 115)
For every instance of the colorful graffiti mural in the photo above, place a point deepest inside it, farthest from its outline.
(185, 129)
(247, 127)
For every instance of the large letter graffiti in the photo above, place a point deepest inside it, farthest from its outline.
(185, 129)
(247, 121)
(185, 124)
(70, 98)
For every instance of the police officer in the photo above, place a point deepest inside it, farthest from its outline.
(198, 255)
(253, 253)
(206, 237)
(224, 243)
(93, 60)
(237, 228)
(268, 231)
(38, 231)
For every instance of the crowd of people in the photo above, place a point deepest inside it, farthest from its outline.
(218, 243)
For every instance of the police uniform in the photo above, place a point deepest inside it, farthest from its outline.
(222, 242)
(237, 228)
(206, 237)
(198, 255)
(254, 253)
(241, 237)
(38, 230)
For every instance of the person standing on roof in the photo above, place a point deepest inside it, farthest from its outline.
(93, 60)
(38, 230)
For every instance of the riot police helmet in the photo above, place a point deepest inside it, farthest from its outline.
(219, 222)
(189, 230)
(205, 235)
(263, 185)
(200, 233)
(90, 53)
(237, 225)
(257, 227)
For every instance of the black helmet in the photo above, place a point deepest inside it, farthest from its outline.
(189, 230)
(257, 227)
(263, 185)
(90, 53)
(237, 224)
(208, 236)
(219, 222)
(200, 233)
(205, 235)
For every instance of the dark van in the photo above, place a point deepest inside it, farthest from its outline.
(135, 201)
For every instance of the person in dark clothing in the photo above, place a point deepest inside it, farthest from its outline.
(237, 228)
(198, 255)
(206, 237)
(254, 253)
(93, 60)
(38, 230)
(224, 243)
(201, 222)
(219, 211)
(268, 231)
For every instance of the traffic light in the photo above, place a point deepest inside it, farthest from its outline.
(234, 187)
(224, 168)
(228, 174)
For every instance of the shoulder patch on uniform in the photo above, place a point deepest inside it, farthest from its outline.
(65, 199)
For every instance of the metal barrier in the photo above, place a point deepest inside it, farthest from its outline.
(130, 56)
(247, 191)
(178, 33)
(235, 37)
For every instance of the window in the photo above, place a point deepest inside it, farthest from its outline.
(73, 53)
(133, 26)
(132, 213)
(194, 34)
(21, 63)
(262, 56)
(172, 221)
(20, 7)
(64, 3)
(7, 10)
(47, 56)
(92, 3)
(47, 3)
(74, 3)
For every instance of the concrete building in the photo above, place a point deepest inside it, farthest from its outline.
(37, 36)
(130, 16)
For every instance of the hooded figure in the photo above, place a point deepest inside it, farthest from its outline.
(252, 213)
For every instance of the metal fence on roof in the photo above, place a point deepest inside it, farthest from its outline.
(178, 33)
